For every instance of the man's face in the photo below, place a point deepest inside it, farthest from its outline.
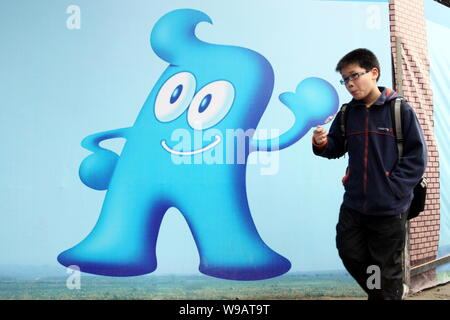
(363, 81)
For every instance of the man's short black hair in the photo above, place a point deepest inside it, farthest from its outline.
(365, 58)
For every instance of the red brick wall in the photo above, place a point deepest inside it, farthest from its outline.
(408, 23)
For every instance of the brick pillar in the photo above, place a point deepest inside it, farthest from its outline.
(407, 23)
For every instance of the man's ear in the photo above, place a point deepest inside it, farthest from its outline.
(375, 73)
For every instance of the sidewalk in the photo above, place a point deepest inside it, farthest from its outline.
(441, 292)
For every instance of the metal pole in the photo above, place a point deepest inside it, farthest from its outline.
(430, 265)
(399, 88)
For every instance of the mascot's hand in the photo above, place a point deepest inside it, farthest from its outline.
(97, 169)
(313, 101)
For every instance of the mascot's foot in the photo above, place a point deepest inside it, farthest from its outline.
(113, 263)
(273, 267)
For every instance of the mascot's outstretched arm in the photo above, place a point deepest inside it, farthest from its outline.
(312, 103)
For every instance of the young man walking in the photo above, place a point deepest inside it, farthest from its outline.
(378, 187)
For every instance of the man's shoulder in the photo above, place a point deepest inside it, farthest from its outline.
(406, 106)
(404, 103)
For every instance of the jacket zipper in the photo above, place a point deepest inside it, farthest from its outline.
(366, 157)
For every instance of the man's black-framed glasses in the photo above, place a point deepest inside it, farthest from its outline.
(353, 76)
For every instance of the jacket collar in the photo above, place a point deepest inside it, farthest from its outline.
(387, 94)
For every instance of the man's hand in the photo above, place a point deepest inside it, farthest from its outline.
(320, 135)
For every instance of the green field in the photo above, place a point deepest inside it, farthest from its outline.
(290, 286)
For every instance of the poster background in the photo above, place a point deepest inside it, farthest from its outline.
(60, 85)
(438, 33)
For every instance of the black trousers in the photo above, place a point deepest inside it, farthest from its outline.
(370, 247)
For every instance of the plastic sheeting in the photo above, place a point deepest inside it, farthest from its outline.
(438, 29)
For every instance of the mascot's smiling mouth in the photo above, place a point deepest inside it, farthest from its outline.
(188, 153)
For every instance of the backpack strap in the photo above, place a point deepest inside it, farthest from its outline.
(396, 115)
(343, 121)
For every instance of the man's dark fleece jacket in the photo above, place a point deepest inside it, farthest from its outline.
(376, 183)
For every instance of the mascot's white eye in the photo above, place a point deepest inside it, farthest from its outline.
(174, 96)
(210, 104)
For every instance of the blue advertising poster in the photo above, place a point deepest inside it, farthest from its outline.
(438, 29)
(121, 126)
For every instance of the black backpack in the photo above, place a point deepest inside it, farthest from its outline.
(420, 190)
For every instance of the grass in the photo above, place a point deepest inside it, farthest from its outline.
(291, 286)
